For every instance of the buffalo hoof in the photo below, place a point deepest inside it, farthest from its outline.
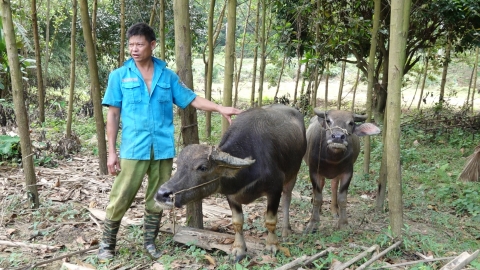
(286, 233)
(311, 228)
(342, 224)
(238, 258)
(239, 252)
(271, 249)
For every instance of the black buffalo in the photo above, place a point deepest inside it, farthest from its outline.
(333, 148)
(259, 155)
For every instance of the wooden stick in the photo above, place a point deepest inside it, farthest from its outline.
(379, 255)
(414, 262)
(293, 264)
(28, 245)
(95, 220)
(55, 259)
(461, 261)
(304, 260)
(312, 258)
(70, 266)
(356, 258)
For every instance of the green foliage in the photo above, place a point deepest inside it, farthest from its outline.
(9, 147)
(463, 197)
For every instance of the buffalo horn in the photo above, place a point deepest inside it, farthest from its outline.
(359, 117)
(320, 113)
(231, 160)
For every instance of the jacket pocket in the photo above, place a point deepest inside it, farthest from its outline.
(132, 92)
(164, 93)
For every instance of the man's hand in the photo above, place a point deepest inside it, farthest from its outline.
(227, 112)
(206, 105)
(113, 164)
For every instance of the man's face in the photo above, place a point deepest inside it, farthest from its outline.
(140, 49)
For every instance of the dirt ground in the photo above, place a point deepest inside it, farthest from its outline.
(74, 186)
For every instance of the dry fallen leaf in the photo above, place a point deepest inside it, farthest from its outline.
(268, 259)
(335, 263)
(70, 266)
(92, 204)
(80, 240)
(285, 251)
(210, 259)
(157, 266)
(227, 241)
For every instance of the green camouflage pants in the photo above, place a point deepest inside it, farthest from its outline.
(129, 180)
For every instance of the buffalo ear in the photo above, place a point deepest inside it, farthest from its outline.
(366, 129)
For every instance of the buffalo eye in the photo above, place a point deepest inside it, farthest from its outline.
(328, 121)
(351, 124)
(202, 168)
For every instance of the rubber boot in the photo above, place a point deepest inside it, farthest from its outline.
(151, 226)
(106, 250)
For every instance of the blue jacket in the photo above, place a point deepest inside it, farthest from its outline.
(147, 118)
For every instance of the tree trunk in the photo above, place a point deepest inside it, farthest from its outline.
(229, 58)
(152, 13)
(382, 176)
(420, 97)
(255, 59)
(212, 38)
(340, 87)
(400, 12)
(475, 76)
(354, 95)
(72, 69)
(326, 85)
(161, 30)
(19, 105)
(121, 57)
(209, 66)
(244, 36)
(38, 64)
(445, 70)
(47, 45)
(469, 88)
(95, 85)
(299, 57)
(380, 87)
(305, 76)
(94, 24)
(183, 58)
(370, 77)
(317, 85)
(318, 14)
(280, 75)
(263, 52)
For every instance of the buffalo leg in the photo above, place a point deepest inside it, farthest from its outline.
(286, 200)
(318, 182)
(273, 201)
(239, 247)
(334, 202)
(342, 199)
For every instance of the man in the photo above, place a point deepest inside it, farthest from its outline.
(141, 93)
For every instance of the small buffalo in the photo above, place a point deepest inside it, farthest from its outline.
(259, 155)
(332, 149)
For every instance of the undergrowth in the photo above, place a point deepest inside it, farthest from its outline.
(441, 214)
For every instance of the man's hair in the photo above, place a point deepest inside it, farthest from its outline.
(141, 29)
